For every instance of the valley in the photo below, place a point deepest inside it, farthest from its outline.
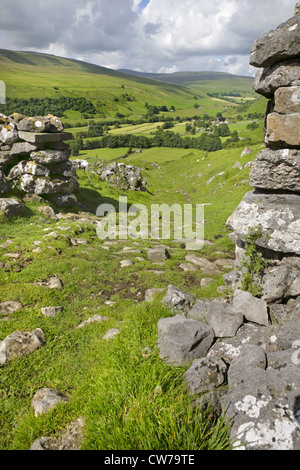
(126, 396)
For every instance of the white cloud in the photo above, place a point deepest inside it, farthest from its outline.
(144, 35)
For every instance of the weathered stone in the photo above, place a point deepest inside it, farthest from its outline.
(283, 130)
(205, 374)
(281, 74)
(253, 309)
(151, 293)
(182, 340)
(70, 440)
(8, 134)
(34, 124)
(207, 267)
(36, 185)
(63, 200)
(276, 170)
(6, 159)
(4, 185)
(126, 263)
(22, 148)
(277, 214)
(159, 253)
(282, 282)
(199, 310)
(224, 319)
(46, 399)
(111, 334)
(250, 357)
(11, 207)
(48, 212)
(63, 169)
(94, 319)
(246, 151)
(276, 45)
(287, 100)
(42, 138)
(20, 343)
(178, 300)
(48, 157)
(51, 312)
(289, 334)
(10, 306)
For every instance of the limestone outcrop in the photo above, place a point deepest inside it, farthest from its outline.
(35, 158)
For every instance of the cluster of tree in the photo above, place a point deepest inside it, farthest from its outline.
(162, 138)
(44, 106)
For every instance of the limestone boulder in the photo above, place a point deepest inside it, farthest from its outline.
(20, 343)
(38, 185)
(277, 214)
(277, 45)
(276, 170)
(45, 399)
(46, 157)
(224, 319)
(205, 374)
(8, 134)
(11, 207)
(182, 340)
(280, 74)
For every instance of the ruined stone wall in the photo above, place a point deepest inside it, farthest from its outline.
(274, 204)
(35, 158)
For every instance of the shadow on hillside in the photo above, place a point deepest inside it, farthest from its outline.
(89, 200)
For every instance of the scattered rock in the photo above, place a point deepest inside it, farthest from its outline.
(126, 263)
(11, 207)
(21, 343)
(159, 253)
(51, 312)
(111, 333)
(10, 306)
(45, 399)
(94, 319)
(70, 440)
(178, 300)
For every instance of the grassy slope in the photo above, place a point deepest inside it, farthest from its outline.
(29, 74)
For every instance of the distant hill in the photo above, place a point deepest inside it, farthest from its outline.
(114, 92)
(187, 77)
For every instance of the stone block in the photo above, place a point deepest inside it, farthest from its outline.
(283, 130)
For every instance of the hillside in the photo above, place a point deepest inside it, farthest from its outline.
(35, 75)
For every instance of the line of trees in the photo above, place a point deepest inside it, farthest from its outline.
(162, 138)
(44, 106)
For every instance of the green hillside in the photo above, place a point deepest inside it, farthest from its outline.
(35, 75)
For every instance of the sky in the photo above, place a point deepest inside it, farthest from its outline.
(160, 36)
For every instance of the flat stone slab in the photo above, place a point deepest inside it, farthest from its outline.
(42, 138)
(277, 214)
(277, 45)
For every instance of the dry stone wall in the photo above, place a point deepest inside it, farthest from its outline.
(34, 155)
(250, 368)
